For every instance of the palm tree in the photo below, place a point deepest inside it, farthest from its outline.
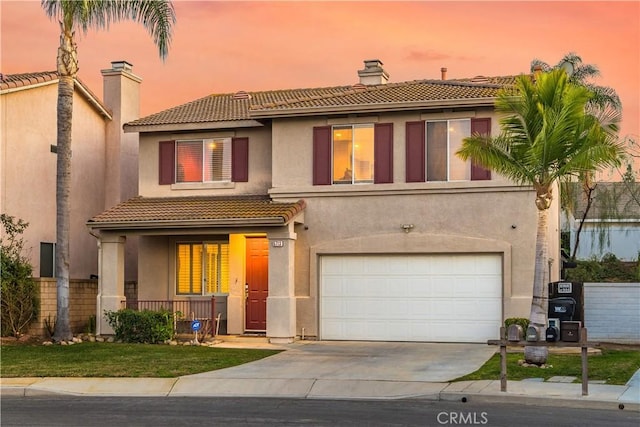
(604, 98)
(546, 134)
(158, 17)
(580, 74)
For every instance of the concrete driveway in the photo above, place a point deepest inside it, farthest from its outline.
(365, 361)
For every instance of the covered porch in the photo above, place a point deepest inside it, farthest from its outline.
(240, 250)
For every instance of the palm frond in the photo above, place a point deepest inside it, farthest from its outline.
(157, 16)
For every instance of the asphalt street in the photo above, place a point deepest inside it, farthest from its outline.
(219, 411)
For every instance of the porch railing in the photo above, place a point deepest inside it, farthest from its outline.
(184, 312)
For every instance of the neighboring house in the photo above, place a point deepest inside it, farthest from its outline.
(339, 213)
(104, 161)
(612, 224)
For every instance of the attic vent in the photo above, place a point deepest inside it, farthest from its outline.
(358, 87)
(241, 95)
(480, 79)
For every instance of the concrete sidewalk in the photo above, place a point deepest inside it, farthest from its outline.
(338, 370)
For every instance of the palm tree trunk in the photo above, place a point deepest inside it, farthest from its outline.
(67, 69)
(540, 300)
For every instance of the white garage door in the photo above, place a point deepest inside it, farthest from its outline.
(438, 298)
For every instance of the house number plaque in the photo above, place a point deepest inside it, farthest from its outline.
(277, 243)
(564, 287)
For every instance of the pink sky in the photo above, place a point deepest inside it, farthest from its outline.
(223, 47)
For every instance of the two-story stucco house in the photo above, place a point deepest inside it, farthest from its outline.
(104, 161)
(339, 213)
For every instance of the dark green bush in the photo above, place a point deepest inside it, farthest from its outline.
(609, 269)
(141, 326)
(19, 292)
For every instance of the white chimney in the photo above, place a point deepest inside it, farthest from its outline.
(373, 73)
(443, 72)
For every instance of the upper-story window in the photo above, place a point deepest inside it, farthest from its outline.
(431, 150)
(204, 160)
(352, 154)
(444, 138)
(207, 160)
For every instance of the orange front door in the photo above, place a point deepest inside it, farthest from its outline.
(257, 284)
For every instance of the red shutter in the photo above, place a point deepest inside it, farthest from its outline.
(383, 153)
(481, 126)
(322, 155)
(240, 159)
(415, 151)
(167, 163)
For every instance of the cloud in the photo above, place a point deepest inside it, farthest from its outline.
(426, 56)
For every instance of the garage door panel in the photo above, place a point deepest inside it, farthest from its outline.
(454, 298)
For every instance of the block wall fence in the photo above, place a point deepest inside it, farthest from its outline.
(82, 303)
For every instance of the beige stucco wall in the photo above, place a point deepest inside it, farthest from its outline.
(259, 165)
(462, 217)
(292, 152)
(444, 222)
(29, 172)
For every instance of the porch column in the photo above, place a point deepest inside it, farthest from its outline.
(281, 302)
(110, 280)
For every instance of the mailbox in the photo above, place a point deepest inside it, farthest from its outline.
(562, 308)
(532, 334)
(514, 333)
(552, 334)
(570, 331)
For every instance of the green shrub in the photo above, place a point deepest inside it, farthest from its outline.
(609, 269)
(91, 325)
(141, 326)
(19, 292)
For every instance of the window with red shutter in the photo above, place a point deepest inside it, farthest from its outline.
(415, 146)
(481, 126)
(322, 155)
(167, 162)
(383, 153)
(240, 160)
(204, 160)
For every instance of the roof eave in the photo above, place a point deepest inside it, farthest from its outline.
(93, 100)
(198, 223)
(396, 106)
(27, 87)
(95, 103)
(175, 127)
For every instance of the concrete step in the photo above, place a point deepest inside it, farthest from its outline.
(248, 338)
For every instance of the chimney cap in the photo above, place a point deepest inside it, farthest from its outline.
(373, 73)
(121, 65)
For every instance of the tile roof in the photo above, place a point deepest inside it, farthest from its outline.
(186, 212)
(250, 105)
(11, 82)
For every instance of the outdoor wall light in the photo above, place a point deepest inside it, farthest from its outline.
(407, 227)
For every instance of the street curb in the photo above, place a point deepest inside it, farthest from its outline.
(561, 402)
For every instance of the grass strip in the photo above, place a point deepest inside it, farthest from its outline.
(119, 360)
(613, 366)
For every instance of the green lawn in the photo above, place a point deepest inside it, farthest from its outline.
(612, 366)
(119, 360)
